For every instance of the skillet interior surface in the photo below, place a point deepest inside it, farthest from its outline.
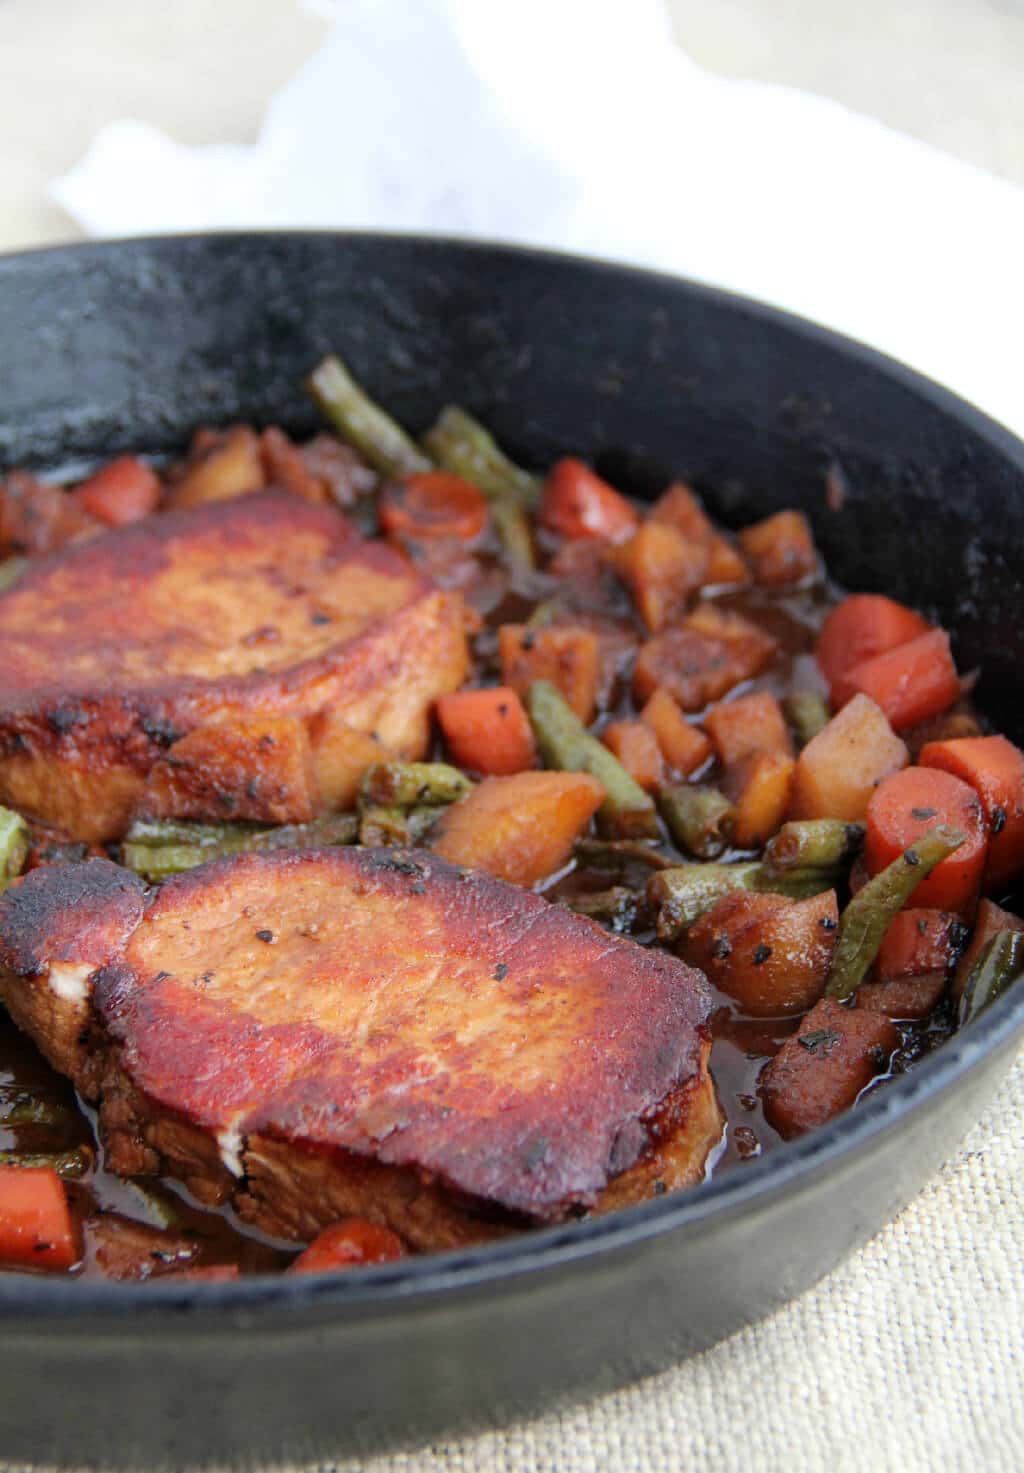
(129, 346)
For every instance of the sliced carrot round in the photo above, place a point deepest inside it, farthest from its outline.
(433, 504)
(861, 627)
(994, 768)
(908, 804)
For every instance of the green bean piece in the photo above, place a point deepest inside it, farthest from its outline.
(1000, 963)
(11, 569)
(546, 613)
(460, 444)
(867, 917)
(565, 743)
(698, 818)
(13, 845)
(158, 860)
(815, 843)
(377, 437)
(35, 1110)
(685, 892)
(615, 853)
(616, 906)
(807, 713)
(385, 827)
(513, 528)
(160, 831)
(73, 1163)
(411, 784)
(157, 1209)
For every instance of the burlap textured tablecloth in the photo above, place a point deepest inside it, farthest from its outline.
(911, 1355)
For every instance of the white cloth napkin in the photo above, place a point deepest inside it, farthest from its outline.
(580, 124)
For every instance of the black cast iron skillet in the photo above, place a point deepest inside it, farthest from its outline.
(128, 346)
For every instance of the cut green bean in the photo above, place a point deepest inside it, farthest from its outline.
(1001, 963)
(814, 843)
(160, 831)
(411, 784)
(866, 919)
(807, 713)
(513, 528)
(565, 743)
(616, 853)
(683, 893)
(158, 860)
(460, 444)
(13, 845)
(11, 569)
(35, 1110)
(546, 613)
(73, 1163)
(616, 907)
(385, 827)
(698, 818)
(377, 437)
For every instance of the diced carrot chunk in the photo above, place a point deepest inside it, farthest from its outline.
(752, 723)
(994, 768)
(567, 655)
(520, 828)
(725, 563)
(780, 549)
(861, 627)
(661, 569)
(684, 746)
(903, 997)
(487, 731)
(839, 769)
(636, 747)
(770, 954)
(35, 1219)
(702, 659)
(918, 941)
(988, 922)
(822, 1068)
(910, 683)
(680, 508)
(123, 491)
(903, 808)
(346, 1244)
(577, 503)
(759, 790)
(285, 465)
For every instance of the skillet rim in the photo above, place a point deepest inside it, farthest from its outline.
(41, 1303)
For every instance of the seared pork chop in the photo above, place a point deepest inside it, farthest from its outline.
(244, 660)
(373, 1031)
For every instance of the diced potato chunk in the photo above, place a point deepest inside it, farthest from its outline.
(839, 769)
(519, 828)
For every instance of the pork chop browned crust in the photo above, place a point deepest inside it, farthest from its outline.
(377, 1031)
(245, 659)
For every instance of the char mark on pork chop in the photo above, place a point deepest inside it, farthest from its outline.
(377, 1031)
